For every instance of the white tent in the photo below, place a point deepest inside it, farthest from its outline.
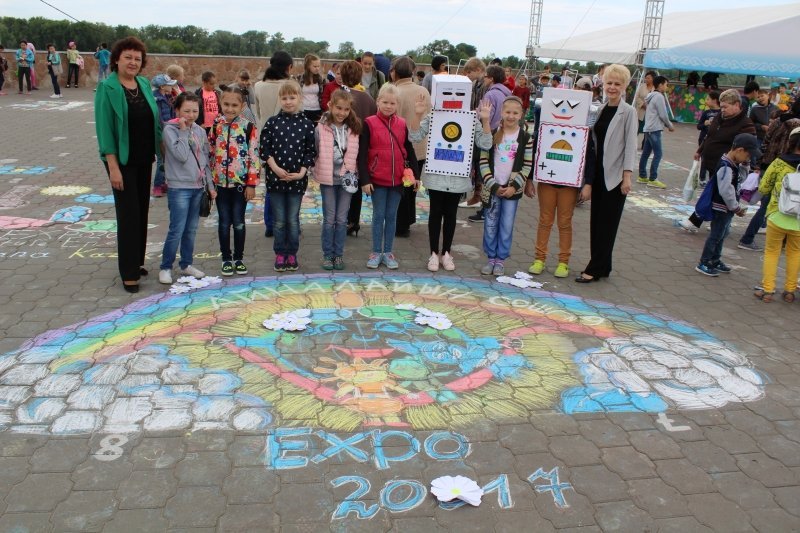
(756, 40)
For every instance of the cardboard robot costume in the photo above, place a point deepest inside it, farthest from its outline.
(451, 136)
(563, 137)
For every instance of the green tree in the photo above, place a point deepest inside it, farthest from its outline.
(346, 50)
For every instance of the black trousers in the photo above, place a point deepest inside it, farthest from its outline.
(354, 213)
(24, 73)
(407, 210)
(74, 70)
(444, 208)
(604, 220)
(132, 205)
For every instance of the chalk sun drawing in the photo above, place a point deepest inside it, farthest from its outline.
(65, 190)
(204, 359)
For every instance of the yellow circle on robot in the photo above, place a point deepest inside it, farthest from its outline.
(451, 131)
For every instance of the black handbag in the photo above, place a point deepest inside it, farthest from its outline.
(205, 204)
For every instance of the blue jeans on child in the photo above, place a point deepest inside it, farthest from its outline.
(231, 206)
(160, 178)
(756, 222)
(286, 221)
(498, 227)
(184, 216)
(652, 144)
(335, 205)
(267, 213)
(384, 217)
(720, 228)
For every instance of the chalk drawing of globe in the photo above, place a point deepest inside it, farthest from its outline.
(367, 357)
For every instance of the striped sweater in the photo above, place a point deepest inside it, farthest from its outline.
(520, 171)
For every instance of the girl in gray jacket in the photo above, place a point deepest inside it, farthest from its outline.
(186, 153)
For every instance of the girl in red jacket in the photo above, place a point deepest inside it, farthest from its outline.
(336, 138)
(386, 163)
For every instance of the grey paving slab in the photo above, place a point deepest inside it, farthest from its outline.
(634, 404)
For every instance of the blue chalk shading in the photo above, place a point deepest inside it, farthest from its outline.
(414, 498)
(350, 503)
(381, 460)
(70, 215)
(279, 442)
(461, 451)
(95, 198)
(342, 446)
(23, 169)
(593, 399)
(555, 486)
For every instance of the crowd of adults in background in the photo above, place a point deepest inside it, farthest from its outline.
(132, 111)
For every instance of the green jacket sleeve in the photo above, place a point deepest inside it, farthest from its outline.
(105, 123)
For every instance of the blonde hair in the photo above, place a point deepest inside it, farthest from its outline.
(498, 135)
(388, 89)
(289, 87)
(474, 65)
(175, 72)
(730, 97)
(618, 71)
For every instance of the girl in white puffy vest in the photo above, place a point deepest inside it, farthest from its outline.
(336, 138)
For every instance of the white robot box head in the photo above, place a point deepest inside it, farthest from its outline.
(451, 93)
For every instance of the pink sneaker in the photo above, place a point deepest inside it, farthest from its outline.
(158, 191)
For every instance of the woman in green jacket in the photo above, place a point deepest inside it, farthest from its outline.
(128, 136)
(780, 227)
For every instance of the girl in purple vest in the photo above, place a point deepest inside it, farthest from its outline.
(337, 154)
(386, 161)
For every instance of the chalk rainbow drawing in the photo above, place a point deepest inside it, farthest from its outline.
(204, 359)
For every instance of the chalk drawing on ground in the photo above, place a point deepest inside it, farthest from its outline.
(25, 169)
(361, 360)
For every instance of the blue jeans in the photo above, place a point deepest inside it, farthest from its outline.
(384, 217)
(184, 215)
(652, 144)
(756, 222)
(286, 222)
(102, 73)
(498, 227)
(160, 178)
(267, 212)
(335, 205)
(230, 206)
(720, 227)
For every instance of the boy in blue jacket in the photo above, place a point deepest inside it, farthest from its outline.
(163, 94)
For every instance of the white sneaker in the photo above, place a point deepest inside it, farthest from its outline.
(433, 262)
(447, 262)
(687, 226)
(192, 271)
(165, 277)
(54, 95)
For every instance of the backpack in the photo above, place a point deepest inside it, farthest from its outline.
(789, 199)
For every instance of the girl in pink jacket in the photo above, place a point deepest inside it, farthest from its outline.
(335, 170)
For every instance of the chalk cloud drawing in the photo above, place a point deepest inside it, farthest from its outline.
(25, 170)
(205, 360)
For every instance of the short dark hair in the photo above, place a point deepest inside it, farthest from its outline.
(658, 80)
(351, 72)
(751, 87)
(128, 43)
(23, 41)
(279, 64)
(368, 54)
(48, 45)
(437, 62)
(185, 97)
(207, 76)
(651, 73)
(103, 45)
(496, 61)
(713, 95)
(496, 72)
(403, 67)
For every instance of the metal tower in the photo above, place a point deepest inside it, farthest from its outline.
(534, 35)
(651, 28)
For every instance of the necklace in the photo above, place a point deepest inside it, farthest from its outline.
(131, 92)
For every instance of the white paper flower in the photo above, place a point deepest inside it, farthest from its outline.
(197, 284)
(295, 320)
(186, 279)
(211, 280)
(449, 488)
(522, 283)
(522, 275)
(406, 307)
(272, 324)
(179, 289)
(427, 312)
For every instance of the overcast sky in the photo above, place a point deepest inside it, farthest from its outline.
(496, 27)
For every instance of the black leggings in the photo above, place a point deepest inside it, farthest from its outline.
(24, 72)
(444, 206)
(73, 69)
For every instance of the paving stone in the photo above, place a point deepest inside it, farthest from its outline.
(101, 475)
(598, 483)
(789, 429)
(13, 470)
(657, 498)
(781, 449)
(768, 471)
(744, 491)
(681, 524)
(709, 457)
(162, 452)
(655, 445)
(623, 516)
(147, 489)
(628, 463)
(39, 492)
(603, 433)
(771, 410)
(705, 417)
(255, 517)
(523, 438)
(718, 513)
(579, 513)
(136, 521)
(203, 468)
(209, 441)
(26, 522)
(14, 445)
(750, 423)
(60, 455)
(300, 503)
(731, 439)
(248, 450)
(490, 459)
(514, 522)
(465, 519)
(575, 450)
(632, 421)
(788, 498)
(772, 520)
(251, 485)
(84, 511)
(554, 424)
(584, 529)
(195, 507)
(684, 476)
(416, 524)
